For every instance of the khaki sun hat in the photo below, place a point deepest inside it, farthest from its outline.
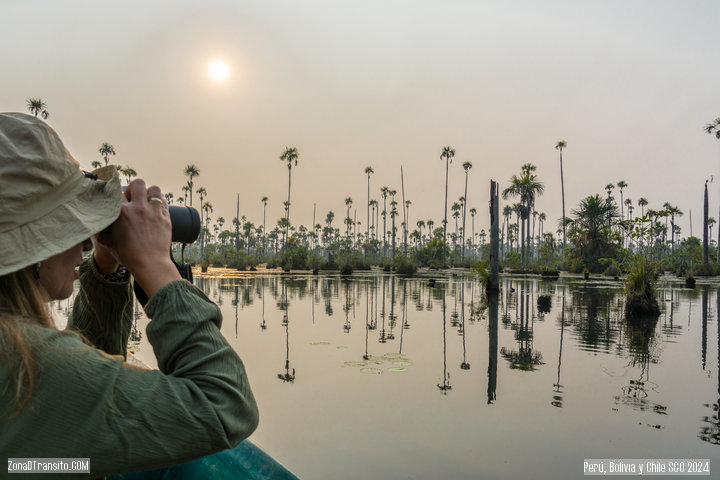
(47, 204)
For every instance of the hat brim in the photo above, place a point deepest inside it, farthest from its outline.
(96, 207)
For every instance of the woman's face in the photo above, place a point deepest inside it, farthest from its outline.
(58, 273)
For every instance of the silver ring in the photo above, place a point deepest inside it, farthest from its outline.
(156, 199)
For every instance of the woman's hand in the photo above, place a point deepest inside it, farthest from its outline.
(141, 237)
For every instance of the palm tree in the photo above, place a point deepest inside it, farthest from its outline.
(201, 193)
(407, 220)
(642, 203)
(169, 197)
(191, 171)
(185, 189)
(609, 188)
(673, 210)
(96, 164)
(290, 156)
(105, 150)
(36, 105)
(588, 228)
(621, 184)
(368, 171)
(713, 127)
(384, 192)
(448, 153)
(348, 220)
(456, 214)
(264, 201)
(526, 187)
(129, 173)
(542, 217)
(507, 211)
(420, 224)
(560, 145)
(473, 211)
(466, 166)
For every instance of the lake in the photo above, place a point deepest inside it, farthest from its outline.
(383, 377)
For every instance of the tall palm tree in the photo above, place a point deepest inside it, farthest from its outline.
(420, 224)
(348, 220)
(621, 184)
(407, 220)
(185, 189)
(473, 211)
(290, 156)
(191, 171)
(673, 210)
(201, 193)
(527, 187)
(368, 171)
(466, 166)
(560, 145)
(105, 150)
(456, 214)
(642, 203)
(264, 201)
(447, 153)
(36, 105)
(507, 211)
(384, 192)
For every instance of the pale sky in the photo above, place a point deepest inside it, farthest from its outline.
(628, 84)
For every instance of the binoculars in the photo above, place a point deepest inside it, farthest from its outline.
(185, 229)
(185, 224)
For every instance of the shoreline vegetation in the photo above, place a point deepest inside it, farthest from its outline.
(603, 234)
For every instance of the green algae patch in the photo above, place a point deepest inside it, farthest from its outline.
(356, 364)
(371, 371)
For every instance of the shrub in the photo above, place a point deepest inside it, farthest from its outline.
(612, 269)
(404, 266)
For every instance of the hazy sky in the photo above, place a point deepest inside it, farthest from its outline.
(628, 84)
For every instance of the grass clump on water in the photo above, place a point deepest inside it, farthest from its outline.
(639, 295)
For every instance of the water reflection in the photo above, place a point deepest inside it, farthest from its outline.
(492, 308)
(557, 397)
(578, 328)
(710, 428)
(283, 305)
(525, 357)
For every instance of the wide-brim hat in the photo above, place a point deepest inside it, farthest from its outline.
(47, 203)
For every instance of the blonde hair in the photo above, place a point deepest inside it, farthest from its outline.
(22, 301)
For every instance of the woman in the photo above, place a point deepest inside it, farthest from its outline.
(60, 396)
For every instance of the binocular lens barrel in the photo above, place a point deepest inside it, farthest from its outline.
(185, 224)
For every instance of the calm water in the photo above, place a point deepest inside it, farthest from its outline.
(380, 377)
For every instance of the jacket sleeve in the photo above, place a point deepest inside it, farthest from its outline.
(103, 310)
(88, 404)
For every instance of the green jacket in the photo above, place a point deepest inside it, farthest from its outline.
(91, 404)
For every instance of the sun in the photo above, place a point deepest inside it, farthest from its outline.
(218, 70)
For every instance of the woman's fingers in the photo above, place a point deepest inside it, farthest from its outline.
(136, 190)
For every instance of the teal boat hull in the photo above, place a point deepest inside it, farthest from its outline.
(246, 462)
